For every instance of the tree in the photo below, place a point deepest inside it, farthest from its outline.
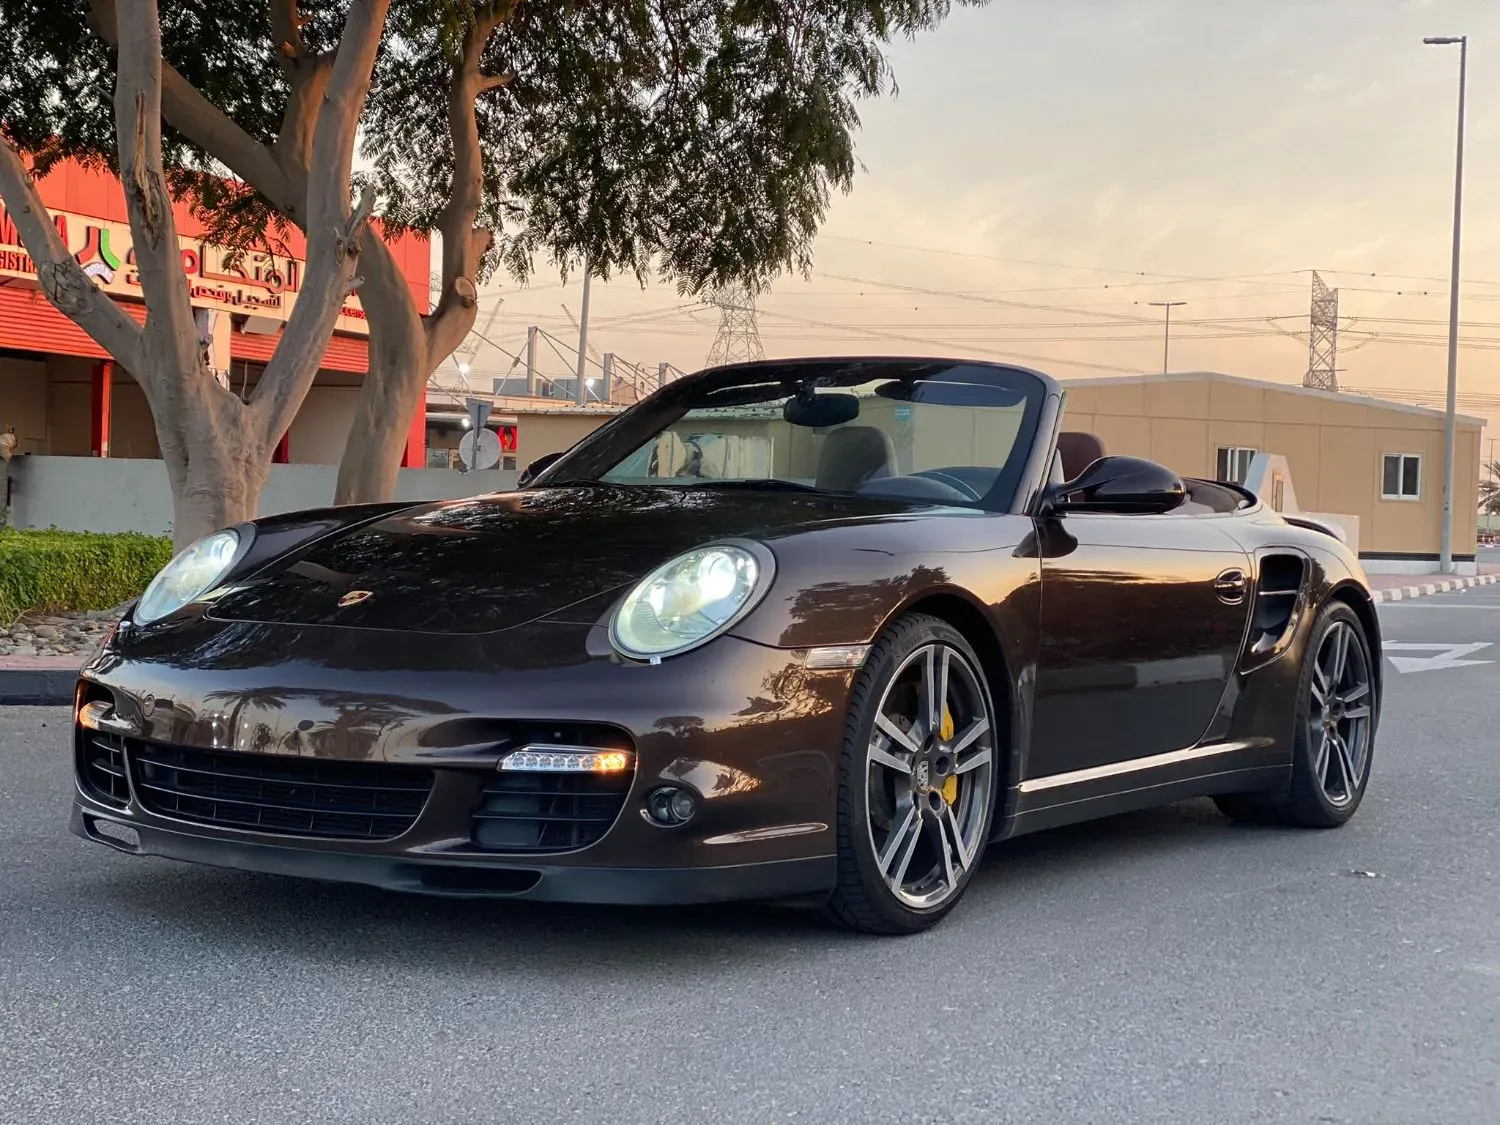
(216, 447)
(1489, 490)
(698, 140)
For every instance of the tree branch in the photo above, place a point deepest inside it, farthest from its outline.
(464, 242)
(286, 29)
(71, 290)
(158, 257)
(335, 233)
(212, 130)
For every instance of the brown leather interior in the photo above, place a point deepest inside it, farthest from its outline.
(1077, 451)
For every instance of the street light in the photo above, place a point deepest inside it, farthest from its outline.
(1445, 562)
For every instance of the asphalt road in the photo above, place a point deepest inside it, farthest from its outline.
(1164, 966)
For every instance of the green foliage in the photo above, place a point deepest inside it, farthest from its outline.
(74, 570)
(1489, 490)
(699, 140)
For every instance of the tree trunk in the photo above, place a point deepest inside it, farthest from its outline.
(394, 385)
(212, 489)
(214, 450)
(405, 349)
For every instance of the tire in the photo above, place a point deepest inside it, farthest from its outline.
(1321, 792)
(914, 810)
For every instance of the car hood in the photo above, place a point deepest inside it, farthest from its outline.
(501, 561)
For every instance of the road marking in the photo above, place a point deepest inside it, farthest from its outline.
(1448, 655)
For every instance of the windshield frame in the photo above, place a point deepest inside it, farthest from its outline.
(596, 454)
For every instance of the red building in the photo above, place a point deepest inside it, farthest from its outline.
(65, 397)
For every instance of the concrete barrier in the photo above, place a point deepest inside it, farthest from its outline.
(126, 494)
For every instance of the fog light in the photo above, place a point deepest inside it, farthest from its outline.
(670, 805)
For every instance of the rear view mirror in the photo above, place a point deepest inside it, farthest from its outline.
(1119, 484)
(819, 412)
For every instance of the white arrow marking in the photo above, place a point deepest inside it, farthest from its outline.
(1446, 656)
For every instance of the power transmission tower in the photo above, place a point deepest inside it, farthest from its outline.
(738, 338)
(1323, 338)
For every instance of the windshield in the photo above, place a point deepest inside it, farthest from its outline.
(944, 432)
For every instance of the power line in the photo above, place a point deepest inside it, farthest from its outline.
(875, 332)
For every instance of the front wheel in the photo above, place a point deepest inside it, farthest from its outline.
(1334, 737)
(917, 780)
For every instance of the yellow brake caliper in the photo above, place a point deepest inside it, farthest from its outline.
(945, 732)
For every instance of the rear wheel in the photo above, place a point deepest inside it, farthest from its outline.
(917, 780)
(1334, 736)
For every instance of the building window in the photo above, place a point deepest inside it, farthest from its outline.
(1234, 464)
(1401, 476)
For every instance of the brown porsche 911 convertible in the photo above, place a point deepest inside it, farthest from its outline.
(816, 631)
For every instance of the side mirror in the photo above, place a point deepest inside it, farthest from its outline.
(1119, 484)
(533, 470)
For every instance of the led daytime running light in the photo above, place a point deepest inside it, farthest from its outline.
(566, 759)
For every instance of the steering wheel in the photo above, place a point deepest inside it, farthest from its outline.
(951, 481)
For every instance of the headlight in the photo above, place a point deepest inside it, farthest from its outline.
(691, 600)
(197, 570)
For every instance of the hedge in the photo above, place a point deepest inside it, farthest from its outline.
(56, 571)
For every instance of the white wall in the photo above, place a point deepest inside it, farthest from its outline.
(119, 494)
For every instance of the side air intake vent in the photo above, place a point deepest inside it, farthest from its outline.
(1275, 602)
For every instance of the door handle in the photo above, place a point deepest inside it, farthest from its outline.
(1230, 586)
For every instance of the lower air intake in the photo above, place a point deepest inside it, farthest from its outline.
(548, 812)
(101, 767)
(280, 796)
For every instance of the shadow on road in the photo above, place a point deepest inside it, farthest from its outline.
(255, 916)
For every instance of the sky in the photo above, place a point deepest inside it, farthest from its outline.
(1049, 169)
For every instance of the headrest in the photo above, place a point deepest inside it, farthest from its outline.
(1077, 451)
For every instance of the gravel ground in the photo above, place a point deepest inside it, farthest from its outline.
(57, 634)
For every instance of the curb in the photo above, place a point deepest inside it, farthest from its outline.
(37, 686)
(1402, 593)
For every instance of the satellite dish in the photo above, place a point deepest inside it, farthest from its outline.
(479, 449)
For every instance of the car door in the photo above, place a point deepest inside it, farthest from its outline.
(1142, 618)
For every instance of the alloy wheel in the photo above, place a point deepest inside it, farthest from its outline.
(930, 765)
(1339, 715)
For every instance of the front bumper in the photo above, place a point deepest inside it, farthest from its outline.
(747, 728)
(538, 882)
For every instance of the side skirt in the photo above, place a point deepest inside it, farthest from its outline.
(1205, 771)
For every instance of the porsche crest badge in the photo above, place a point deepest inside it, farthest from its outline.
(354, 597)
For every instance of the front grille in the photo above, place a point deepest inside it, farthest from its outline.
(277, 795)
(548, 812)
(101, 767)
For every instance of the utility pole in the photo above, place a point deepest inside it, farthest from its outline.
(1166, 344)
(1445, 562)
(531, 361)
(581, 391)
